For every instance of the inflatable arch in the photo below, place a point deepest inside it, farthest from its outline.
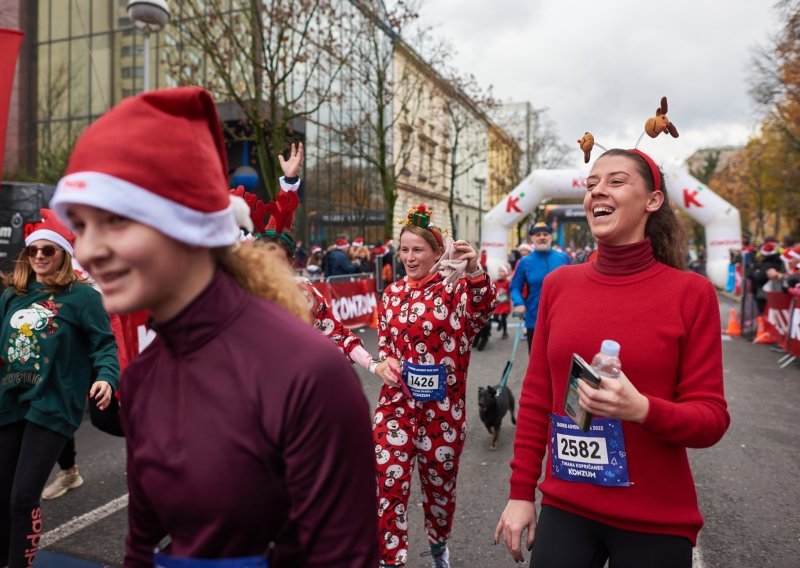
(720, 218)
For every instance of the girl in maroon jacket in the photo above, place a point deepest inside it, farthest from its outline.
(623, 490)
(235, 443)
(426, 327)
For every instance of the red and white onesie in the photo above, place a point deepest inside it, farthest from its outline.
(426, 323)
(332, 327)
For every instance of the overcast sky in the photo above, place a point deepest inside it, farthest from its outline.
(604, 66)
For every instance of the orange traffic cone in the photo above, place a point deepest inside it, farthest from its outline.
(734, 329)
(762, 335)
(374, 323)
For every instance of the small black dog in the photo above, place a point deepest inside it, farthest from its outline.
(493, 408)
(482, 337)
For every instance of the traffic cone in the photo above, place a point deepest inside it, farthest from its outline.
(734, 329)
(762, 335)
(374, 323)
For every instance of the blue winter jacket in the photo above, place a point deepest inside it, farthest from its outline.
(531, 270)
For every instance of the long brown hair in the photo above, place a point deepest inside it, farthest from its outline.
(23, 274)
(263, 274)
(664, 228)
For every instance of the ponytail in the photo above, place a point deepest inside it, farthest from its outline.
(264, 275)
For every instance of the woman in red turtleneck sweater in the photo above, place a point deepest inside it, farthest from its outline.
(636, 504)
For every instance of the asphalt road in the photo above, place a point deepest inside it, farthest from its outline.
(747, 483)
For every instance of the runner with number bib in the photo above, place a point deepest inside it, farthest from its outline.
(426, 327)
(618, 487)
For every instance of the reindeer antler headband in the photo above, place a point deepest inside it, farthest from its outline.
(281, 213)
(654, 126)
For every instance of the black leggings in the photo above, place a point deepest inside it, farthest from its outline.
(564, 540)
(502, 323)
(27, 454)
(66, 460)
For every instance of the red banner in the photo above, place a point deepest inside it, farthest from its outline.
(9, 48)
(776, 320)
(793, 344)
(134, 335)
(352, 302)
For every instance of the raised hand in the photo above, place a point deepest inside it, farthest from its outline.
(291, 167)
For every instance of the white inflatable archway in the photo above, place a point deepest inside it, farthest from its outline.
(720, 218)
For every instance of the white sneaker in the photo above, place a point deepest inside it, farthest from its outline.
(441, 560)
(63, 482)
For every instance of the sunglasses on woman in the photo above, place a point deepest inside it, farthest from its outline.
(47, 250)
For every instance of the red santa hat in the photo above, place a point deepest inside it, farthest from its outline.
(158, 158)
(315, 249)
(358, 242)
(342, 243)
(768, 248)
(53, 230)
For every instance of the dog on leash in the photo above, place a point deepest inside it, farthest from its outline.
(493, 408)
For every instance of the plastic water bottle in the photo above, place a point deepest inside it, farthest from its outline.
(606, 362)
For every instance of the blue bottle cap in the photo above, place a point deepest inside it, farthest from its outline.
(610, 348)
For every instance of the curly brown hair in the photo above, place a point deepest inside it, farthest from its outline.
(264, 274)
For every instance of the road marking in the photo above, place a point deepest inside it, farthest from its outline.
(79, 523)
(697, 558)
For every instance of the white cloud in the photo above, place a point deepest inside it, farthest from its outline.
(603, 66)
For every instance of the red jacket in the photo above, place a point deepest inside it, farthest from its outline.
(245, 428)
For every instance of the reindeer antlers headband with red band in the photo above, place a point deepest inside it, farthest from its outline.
(652, 127)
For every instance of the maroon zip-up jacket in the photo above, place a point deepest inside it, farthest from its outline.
(247, 432)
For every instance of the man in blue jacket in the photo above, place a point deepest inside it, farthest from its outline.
(531, 270)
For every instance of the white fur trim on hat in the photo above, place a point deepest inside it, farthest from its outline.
(52, 236)
(286, 186)
(177, 221)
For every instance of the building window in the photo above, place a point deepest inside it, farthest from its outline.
(130, 72)
(128, 50)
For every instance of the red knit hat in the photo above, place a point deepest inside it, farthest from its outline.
(158, 158)
(53, 230)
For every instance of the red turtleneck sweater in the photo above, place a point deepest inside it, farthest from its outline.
(667, 322)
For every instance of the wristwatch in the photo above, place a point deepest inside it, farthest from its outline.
(373, 366)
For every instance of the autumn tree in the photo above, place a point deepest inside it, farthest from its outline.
(465, 107)
(379, 127)
(766, 174)
(277, 60)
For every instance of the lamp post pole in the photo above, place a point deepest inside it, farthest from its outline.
(481, 182)
(146, 82)
(148, 16)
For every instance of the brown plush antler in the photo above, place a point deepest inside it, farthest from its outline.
(660, 123)
(586, 144)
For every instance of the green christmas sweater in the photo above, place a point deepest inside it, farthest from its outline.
(53, 345)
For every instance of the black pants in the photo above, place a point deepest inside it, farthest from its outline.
(502, 323)
(27, 454)
(564, 540)
(66, 459)
(530, 338)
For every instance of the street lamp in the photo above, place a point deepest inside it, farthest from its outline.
(148, 16)
(481, 182)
